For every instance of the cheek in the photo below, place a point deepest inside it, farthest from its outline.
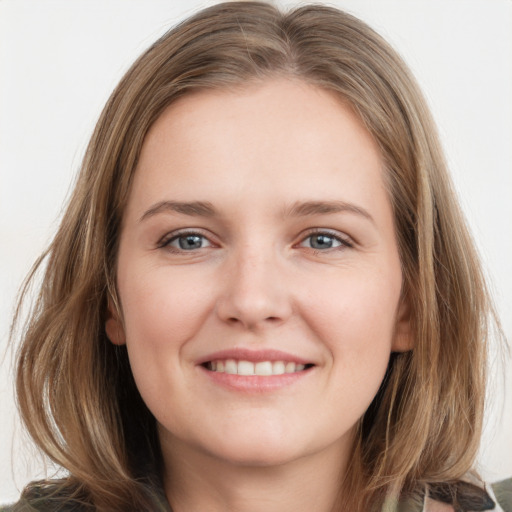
(358, 330)
(161, 308)
(162, 312)
(356, 319)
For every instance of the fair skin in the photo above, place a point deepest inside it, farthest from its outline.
(258, 229)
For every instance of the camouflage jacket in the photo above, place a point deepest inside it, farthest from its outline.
(496, 497)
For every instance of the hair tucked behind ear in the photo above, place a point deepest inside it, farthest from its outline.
(75, 389)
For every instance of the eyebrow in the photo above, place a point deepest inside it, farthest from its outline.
(297, 209)
(303, 209)
(194, 208)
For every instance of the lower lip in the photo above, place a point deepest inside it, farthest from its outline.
(255, 383)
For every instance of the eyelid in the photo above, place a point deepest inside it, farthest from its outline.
(345, 240)
(173, 235)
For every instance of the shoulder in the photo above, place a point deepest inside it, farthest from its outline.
(45, 497)
(463, 496)
(24, 505)
(503, 493)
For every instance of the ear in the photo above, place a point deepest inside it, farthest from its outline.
(114, 325)
(403, 337)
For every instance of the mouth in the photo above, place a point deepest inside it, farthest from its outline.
(258, 368)
(255, 371)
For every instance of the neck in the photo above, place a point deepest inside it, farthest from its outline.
(196, 480)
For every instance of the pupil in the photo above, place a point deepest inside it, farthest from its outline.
(190, 242)
(321, 242)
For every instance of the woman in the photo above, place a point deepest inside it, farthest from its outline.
(263, 294)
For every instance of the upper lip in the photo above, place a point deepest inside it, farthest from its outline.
(245, 354)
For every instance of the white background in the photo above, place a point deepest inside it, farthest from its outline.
(59, 61)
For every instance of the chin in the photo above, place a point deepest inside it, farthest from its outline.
(255, 456)
(258, 447)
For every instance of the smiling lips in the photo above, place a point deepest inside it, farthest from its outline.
(262, 368)
(251, 370)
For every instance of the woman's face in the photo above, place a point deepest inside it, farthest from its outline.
(258, 274)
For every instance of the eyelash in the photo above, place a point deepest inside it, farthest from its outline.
(165, 242)
(344, 243)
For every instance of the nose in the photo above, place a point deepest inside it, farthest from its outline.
(254, 293)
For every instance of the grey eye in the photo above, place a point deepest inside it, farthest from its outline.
(189, 242)
(321, 241)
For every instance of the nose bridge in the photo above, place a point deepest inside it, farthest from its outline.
(254, 291)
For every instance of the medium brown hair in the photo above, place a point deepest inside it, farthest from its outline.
(75, 390)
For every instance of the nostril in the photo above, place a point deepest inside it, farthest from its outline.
(234, 319)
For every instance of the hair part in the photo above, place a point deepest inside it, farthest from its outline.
(75, 389)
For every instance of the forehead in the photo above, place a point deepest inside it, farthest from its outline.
(265, 132)
(279, 104)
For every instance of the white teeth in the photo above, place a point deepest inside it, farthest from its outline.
(278, 367)
(289, 368)
(260, 368)
(263, 368)
(230, 366)
(245, 368)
